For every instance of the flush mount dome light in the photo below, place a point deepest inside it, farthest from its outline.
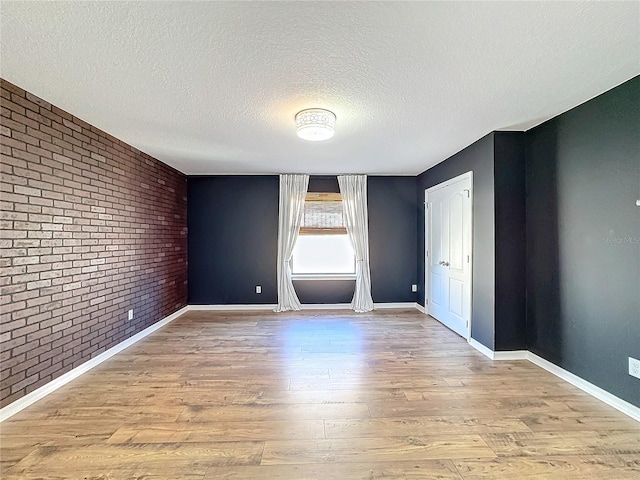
(315, 124)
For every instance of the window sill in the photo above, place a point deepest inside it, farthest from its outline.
(323, 276)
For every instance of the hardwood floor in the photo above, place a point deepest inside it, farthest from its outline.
(318, 395)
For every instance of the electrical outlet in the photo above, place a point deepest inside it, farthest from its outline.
(414, 288)
(131, 314)
(634, 367)
(258, 289)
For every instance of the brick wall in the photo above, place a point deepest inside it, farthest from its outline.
(90, 227)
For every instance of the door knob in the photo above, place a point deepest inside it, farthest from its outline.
(444, 264)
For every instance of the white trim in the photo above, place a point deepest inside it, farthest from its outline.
(305, 306)
(347, 306)
(487, 352)
(587, 387)
(53, 385)
(420, 308)
(597, 392)
(383, 306)
(510, 355)
(234, 307)
(326, 306)
(451, 181)
(425, 255)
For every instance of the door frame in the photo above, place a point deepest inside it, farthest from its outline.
(451, 181)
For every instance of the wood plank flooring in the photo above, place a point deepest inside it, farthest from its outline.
(317, 395)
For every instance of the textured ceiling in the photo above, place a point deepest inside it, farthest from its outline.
(213, 87)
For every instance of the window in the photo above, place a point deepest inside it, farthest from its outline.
(323, 249)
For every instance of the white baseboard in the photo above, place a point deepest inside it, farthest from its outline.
(234, 308)
(511, 355)
(487, 352)
(56, 383)
(597, 392)
(326, 306)
(587, 387)
(305, 306)
(267, 307)
(404, 305)
(420, 308)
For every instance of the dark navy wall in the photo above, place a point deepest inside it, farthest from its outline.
(479, 158)
(392, 238)
(233, 234)
(233, 239)
(510, 241)
(323, 183)
(324, 291)
(583, 240)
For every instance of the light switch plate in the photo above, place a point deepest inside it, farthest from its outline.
(634, 367)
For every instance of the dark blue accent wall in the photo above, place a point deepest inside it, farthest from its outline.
(510, 241)
(392, 238)
(583, 240)
(233, 239)
(233, 235)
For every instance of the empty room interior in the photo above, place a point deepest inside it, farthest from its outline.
(320, 240)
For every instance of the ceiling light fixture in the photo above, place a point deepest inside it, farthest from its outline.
(315, 124)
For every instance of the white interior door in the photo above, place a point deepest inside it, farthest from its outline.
(448, 253)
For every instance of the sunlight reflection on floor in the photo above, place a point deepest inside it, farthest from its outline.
(324, 355)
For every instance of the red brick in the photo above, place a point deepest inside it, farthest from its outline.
(99, 227)
(21, 100)
(14, 107)
(38, 101)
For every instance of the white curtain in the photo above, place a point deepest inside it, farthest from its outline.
(354, 200)
(293, 190)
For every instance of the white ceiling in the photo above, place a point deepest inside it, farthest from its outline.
(213, 87)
